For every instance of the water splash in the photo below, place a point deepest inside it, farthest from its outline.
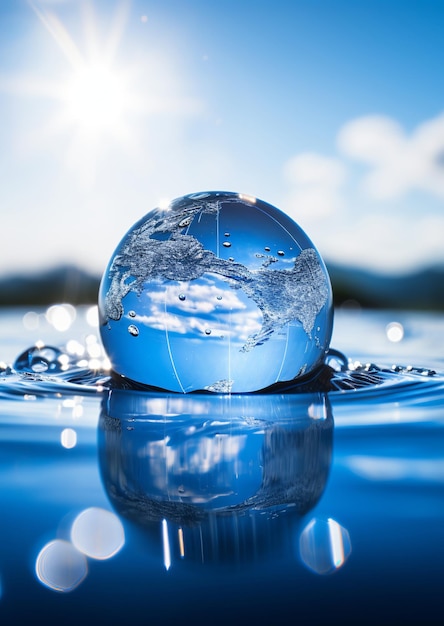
(45, 370)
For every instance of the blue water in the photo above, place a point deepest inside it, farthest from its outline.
(319, 507)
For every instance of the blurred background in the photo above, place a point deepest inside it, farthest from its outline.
(331, 110)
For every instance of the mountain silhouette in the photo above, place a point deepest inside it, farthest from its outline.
(66, 283)
(422, 290)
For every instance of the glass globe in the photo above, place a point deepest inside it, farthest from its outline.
(219, 292)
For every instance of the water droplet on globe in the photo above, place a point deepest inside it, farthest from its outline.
(266, 321)
(182, 297)
(186, 222)
(132, 313)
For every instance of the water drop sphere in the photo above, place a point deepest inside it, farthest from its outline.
(266, 298)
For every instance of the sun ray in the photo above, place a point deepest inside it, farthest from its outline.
(106, 50)
(59, 33)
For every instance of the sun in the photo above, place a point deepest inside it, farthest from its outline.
(109, 90)
(96, 97)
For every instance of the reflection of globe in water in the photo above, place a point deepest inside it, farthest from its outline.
(219, 291)
(231, 476)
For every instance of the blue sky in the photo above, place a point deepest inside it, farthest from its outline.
(332, 110)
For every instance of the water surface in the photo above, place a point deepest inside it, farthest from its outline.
(314, 508)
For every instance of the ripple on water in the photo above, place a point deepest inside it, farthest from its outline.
(43, 370)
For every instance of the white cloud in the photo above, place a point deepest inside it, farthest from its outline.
(224, 322)
(365, 216)
(162, 320)
(371, 139)
(198, 298)
(312, 202)
(399, 163)
(310, 168)
(383, 242)
(241, 325)
(315, 182)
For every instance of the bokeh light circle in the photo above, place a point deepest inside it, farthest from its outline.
(60, 566)
(97, 533)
